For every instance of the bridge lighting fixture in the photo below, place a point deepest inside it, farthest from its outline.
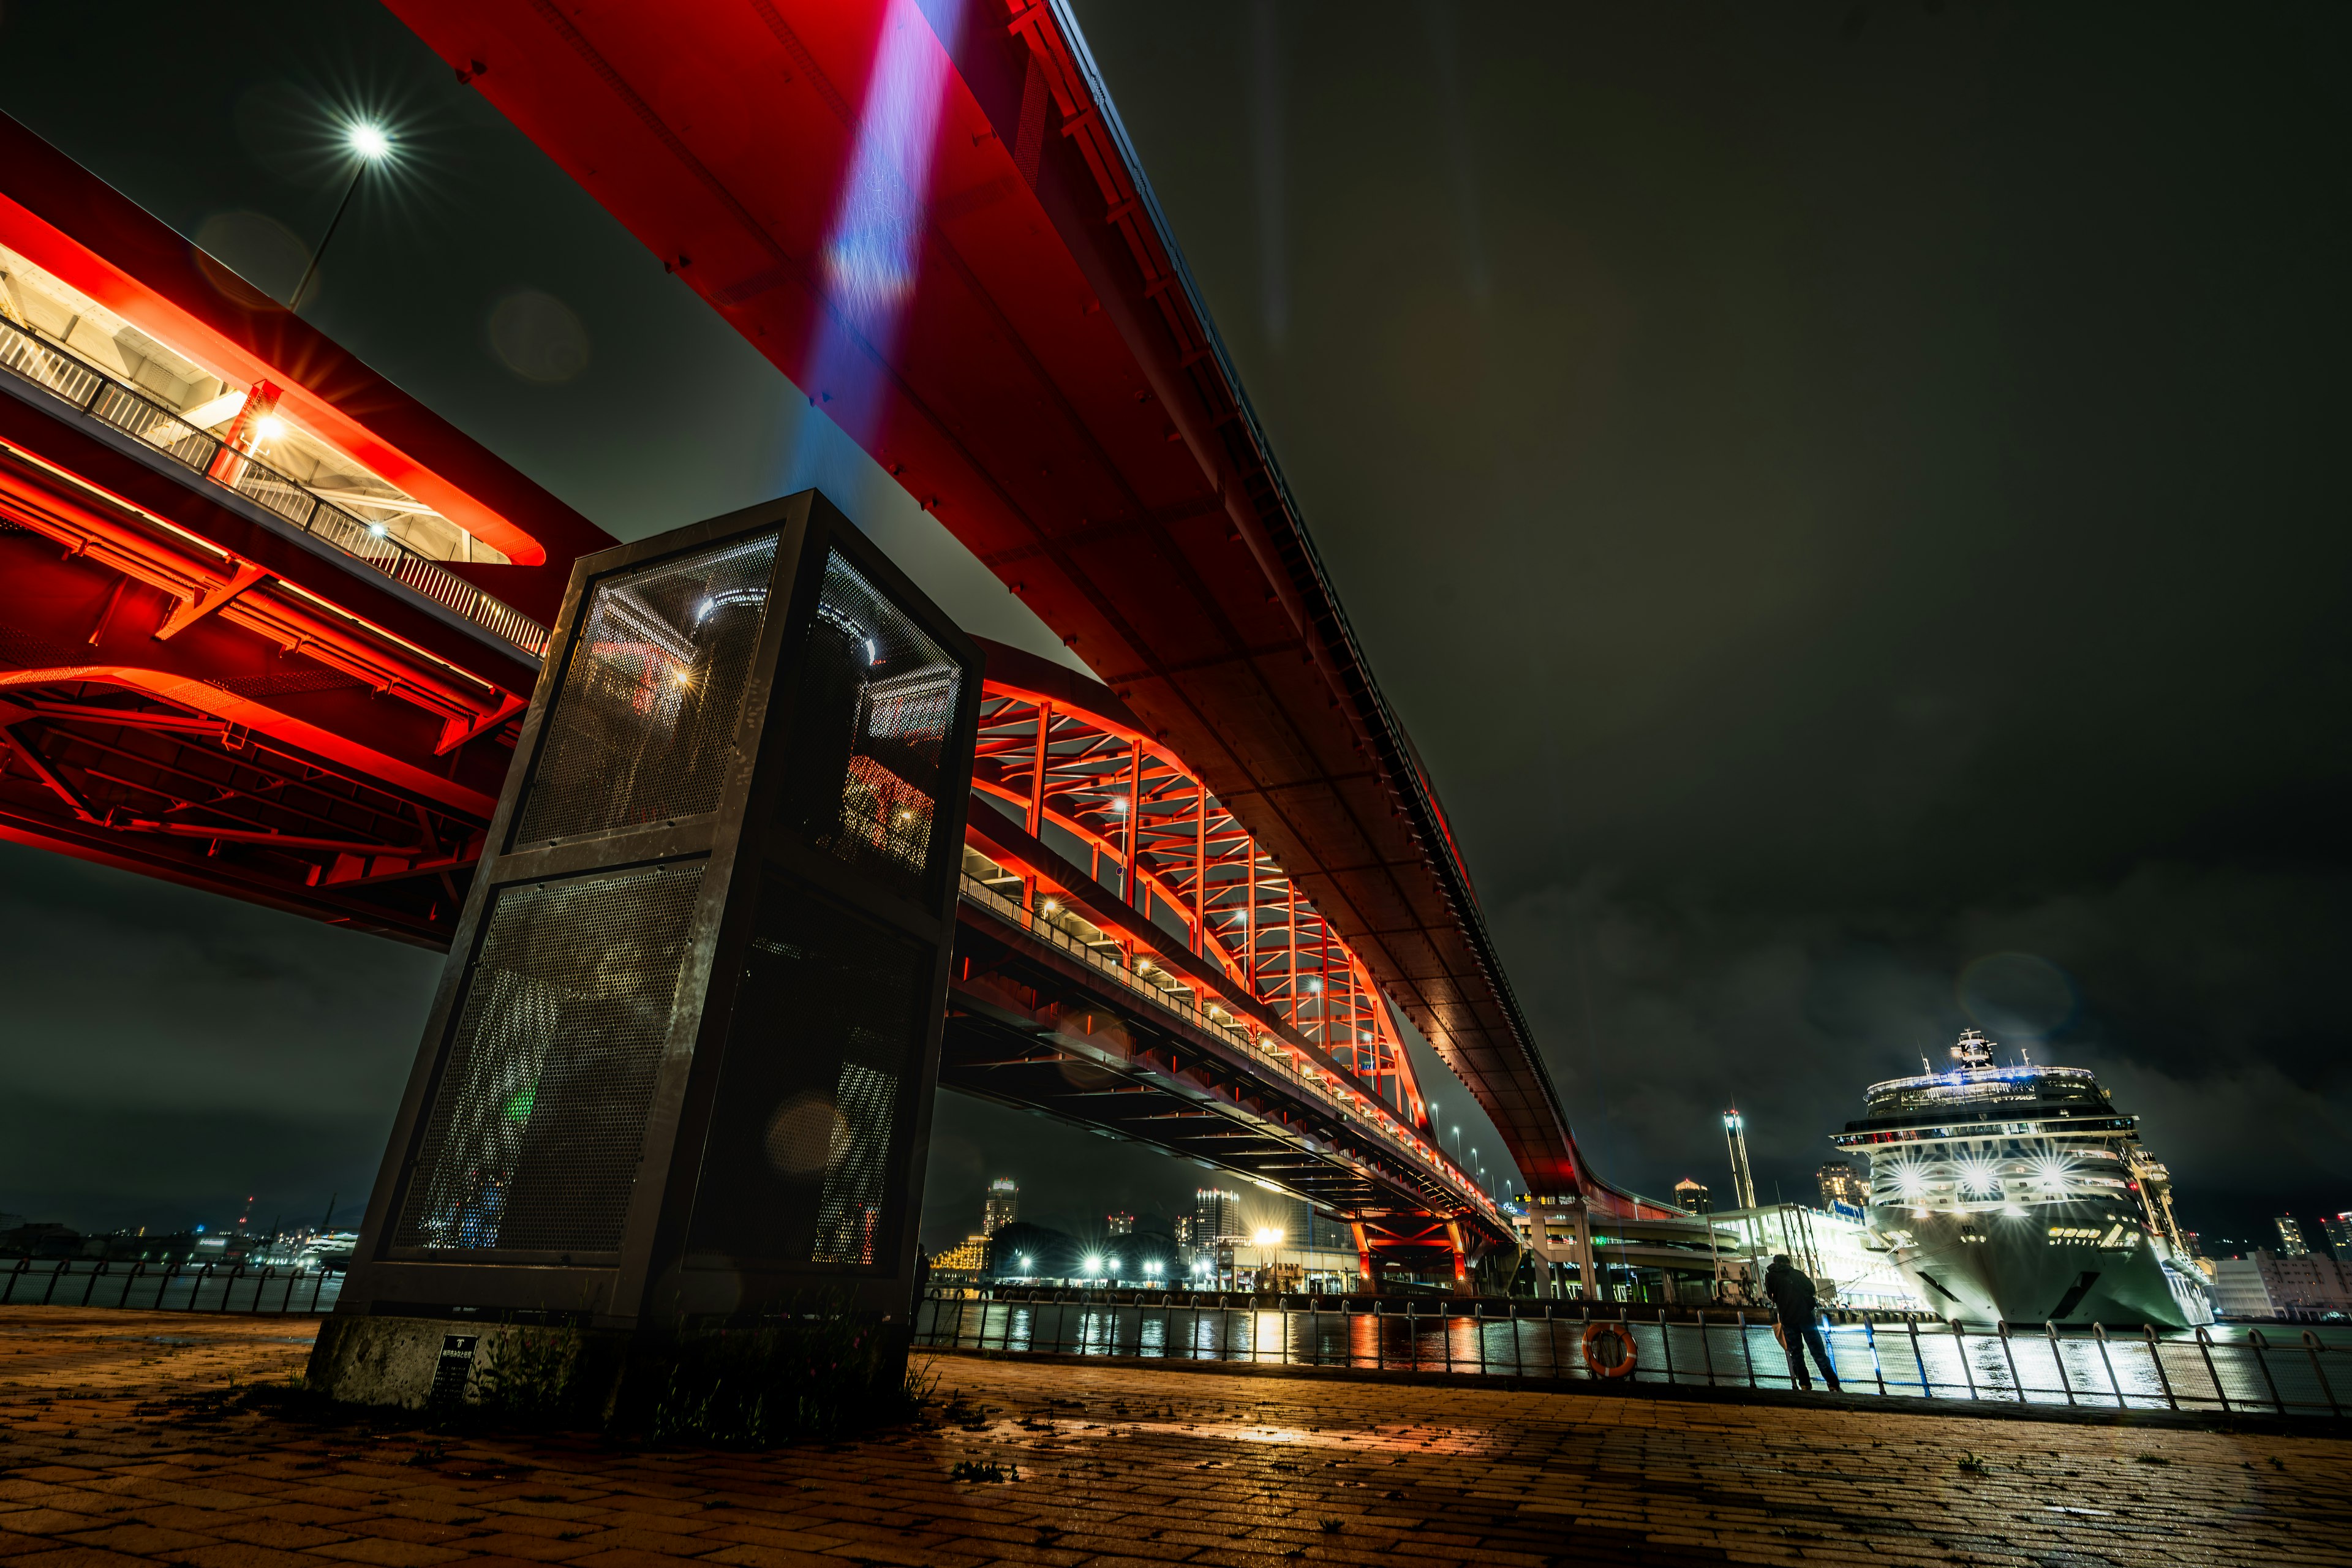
(1051, 906)
(370, 145)
(1026, 1263)
(269, 426)
(1119, 803)
(1093, 1266)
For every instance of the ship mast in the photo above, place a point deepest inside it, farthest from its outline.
(1735, 1134)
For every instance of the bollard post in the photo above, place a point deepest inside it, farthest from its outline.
(2205, 1348)
(2261, 1346)
(2058, 1360)
(2163, 1378)
(2099, 1338)
(2009, 1352)
(2311, 1343)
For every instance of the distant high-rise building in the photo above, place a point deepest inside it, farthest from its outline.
(1692, 1198)
(2338, 1231)
(1839, 1185)
(1003, 1205)
(1734, 1137)
(1217, 1217)
(2291, 1242)
(1121, 1223)
(1185, 1230)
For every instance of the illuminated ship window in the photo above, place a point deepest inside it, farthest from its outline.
(39, 312)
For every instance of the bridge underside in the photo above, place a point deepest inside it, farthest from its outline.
(1042, 1028)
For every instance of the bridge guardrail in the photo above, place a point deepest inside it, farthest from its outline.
(104, 397)
(1012, 912)
(269, 1290)
(1879, 1353)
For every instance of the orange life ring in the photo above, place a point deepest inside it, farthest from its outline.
(1620, 1337)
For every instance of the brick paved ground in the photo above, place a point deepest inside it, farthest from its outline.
(118, 1446)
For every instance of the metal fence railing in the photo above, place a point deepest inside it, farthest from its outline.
(167, 1287)
(1180, 1002)
(1877, 1353)
(130, 411)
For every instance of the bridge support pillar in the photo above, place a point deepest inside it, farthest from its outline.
(1367, 1279)
(679, 1070)
(1462, 1285)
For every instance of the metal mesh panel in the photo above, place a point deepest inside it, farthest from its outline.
(539, 1121)
(644, 721)
(876, 697)
(811, 1115)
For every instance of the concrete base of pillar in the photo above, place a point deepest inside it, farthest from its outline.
(413, 1362)
(615, 1378)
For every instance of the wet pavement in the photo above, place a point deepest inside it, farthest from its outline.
(122, 1442)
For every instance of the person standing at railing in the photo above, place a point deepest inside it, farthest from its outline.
(1791, 1290)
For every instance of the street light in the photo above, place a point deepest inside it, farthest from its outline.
(369, 146)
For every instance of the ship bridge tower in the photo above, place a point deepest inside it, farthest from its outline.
(1973, 1051)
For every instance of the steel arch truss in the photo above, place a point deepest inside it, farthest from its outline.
(1151, 830)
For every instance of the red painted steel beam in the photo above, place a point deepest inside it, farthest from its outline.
(1034, 367)
(63, 219)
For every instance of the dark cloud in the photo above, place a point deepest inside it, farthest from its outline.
(1868, 548)
(1850, 518)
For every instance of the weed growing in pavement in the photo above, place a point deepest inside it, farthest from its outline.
(818, 1371)
(983, 1470)
(528, 1380)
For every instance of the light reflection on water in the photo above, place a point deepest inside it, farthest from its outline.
(1892, 1358)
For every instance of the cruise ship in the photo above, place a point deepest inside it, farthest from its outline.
(2021, 1194)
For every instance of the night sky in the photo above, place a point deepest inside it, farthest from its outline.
(1848, 498)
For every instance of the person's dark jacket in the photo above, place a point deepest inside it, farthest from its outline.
(1792, 1292)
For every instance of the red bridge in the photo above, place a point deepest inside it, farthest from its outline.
(267, 622)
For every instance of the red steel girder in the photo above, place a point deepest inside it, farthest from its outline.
(1016, 339)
